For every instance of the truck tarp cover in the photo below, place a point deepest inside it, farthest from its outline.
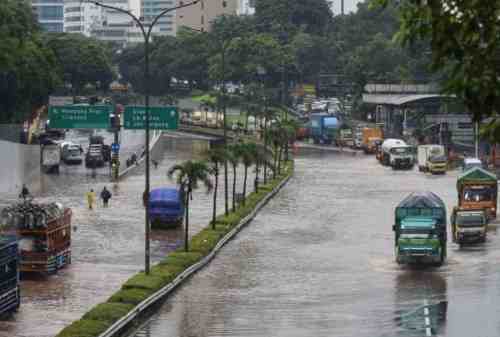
(330, 122)
(422, 200)
(476, 175)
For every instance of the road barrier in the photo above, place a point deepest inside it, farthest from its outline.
(152, 145)
(117, 328)
(142, 294)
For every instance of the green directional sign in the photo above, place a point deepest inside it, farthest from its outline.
(160, 118)
(80, 116)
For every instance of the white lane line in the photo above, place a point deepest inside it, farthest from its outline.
(428, 330)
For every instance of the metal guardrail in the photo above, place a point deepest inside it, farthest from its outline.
(119, 325)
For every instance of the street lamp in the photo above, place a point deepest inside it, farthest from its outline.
(146, 33)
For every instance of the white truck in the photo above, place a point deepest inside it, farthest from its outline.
(430, 158)
(397, 154)
(51, 158)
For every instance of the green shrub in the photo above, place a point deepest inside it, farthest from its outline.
(205, 241)
(130, 296)
(181, 259)
(108, 312)
(143, 281)
(84, 328)
(165, 272)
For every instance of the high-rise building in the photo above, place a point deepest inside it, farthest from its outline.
(50, 14)
(246, 7)
(166, 24)
(201, 15)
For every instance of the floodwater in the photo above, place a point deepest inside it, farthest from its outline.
(107, 244)
(318, 261)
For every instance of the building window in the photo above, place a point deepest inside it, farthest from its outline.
(202, 5)
(52, 27)
(73, 19)
(72, 9)
(74, 29)
(50, 13)
(202, 20)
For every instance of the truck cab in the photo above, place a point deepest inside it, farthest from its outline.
(401, 157)
(437, 164)
(478, 189)
(419, 241)
(469, 226)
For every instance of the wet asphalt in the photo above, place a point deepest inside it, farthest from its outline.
(318, 261)
(107, 244)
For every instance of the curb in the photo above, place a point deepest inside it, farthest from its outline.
(121, 325)
(152, 144)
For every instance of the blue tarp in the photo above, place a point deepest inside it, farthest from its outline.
(164, 195)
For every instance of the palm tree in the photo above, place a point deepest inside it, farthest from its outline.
(248, 153)
(188, 176)
(215, 157)
(262, 157)
(233, 155)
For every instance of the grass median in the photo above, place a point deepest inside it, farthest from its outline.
(140, 286)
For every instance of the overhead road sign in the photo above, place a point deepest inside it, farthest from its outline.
(160, 118)
(80, 116)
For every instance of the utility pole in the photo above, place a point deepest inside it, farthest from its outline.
(342, 7)
(146, 33)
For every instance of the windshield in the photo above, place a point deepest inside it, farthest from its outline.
(418, 236)
(478, 194)
(438, 159)
(400, 150)
(470, 220)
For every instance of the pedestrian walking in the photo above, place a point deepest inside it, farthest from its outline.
(105, 196)
(91, 198)
(155, 164)
(24, 192)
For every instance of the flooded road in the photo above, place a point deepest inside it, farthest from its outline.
(107, 244)
(318, 261)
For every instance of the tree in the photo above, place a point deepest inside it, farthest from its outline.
(248, 152)
(188, 176)
(233, 156)
(82, 60)
(313, 16)
(28, 70)
(464, 37)
(215, 157)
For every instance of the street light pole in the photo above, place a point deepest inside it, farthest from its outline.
(147, 37)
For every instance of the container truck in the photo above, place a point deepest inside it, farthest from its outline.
(431, 158)
(370, 136)
(420, 229)
(478, 189)
(397, 154)
(51, 157)
(468, 226)
(324, 128)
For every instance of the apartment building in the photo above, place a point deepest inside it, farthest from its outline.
(50, 14)
(200, 16)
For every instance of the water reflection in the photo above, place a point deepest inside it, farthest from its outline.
(421, 303)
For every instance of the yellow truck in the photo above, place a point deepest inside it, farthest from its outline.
(370, 138)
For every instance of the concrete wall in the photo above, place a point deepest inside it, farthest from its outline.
(19, 164)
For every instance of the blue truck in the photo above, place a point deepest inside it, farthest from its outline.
(166, 208)
(324, 128)
(9, 275)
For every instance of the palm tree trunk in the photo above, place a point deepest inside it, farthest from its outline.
(186, 227)
(280, 155)
(256, 181)
(265, 149)
(276, 152)
(234, 188)
(245, 185)
(214, 211)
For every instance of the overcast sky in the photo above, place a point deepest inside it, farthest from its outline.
(350, 5)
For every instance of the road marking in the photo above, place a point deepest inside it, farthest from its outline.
(428, 330)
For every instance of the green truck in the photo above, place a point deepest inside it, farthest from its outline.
(420, 229)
